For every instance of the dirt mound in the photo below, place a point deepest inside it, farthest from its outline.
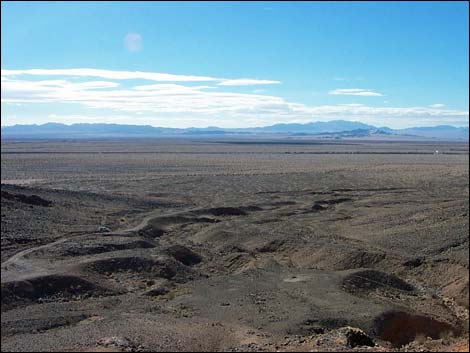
(169, 220)
(251, 208)
(30, 325)
(272, 246)
(30, 200)
(323, 204)
(334, 201)
(151, 231)
(360, 259)
(93, 249)
(414, 262)
(224, 211)
(356, 337)
(217, 236)
(369, 280)
(17, 293)
(157, 291)
(401, 328)
(283, 203)
(237, 262)
(184, 255)
(231, 248)
(318, 207)
(161, 267)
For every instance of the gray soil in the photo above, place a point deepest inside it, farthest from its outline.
(233, 246)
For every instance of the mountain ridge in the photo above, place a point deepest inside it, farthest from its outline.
(333, 128)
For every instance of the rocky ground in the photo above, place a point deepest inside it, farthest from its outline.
(234, 246)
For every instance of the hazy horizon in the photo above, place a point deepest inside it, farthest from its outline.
(219, 127)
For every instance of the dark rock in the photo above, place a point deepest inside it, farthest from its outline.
(356, 337)
(317, 207)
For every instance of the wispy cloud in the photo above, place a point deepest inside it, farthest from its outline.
(437, 105)
(247, 82)
(352, 105)
(133, 42)
(185, 104)
(130, 75)
(355, 92)
(110, 74)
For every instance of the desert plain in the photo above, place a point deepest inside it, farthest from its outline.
(234, 245)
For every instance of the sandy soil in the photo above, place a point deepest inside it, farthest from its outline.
(234, 246)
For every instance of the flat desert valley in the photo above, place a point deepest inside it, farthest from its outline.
(234, 245)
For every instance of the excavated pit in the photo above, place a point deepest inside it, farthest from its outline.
(400, 328)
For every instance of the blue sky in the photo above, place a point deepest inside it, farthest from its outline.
(234, 64)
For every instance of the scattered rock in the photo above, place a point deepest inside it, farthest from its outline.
(157, 291)
(120, 342)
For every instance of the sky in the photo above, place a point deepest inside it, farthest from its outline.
(235, 64)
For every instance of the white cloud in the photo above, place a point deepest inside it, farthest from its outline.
(133, 42)
(355, 92)
(184, 104)
(247, 82)
(352, 105)
(171, 88)
(108, 74)
(129, 75)
(437, 105)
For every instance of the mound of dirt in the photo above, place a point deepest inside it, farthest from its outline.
(360, 259)
(151, 231)
(156, 291)
(236, 262)
(224, 211)
(369, 280)
(17, 293)
(356, 337)
(401, 328)
(184, 255)
(318, 207)
(34, 200)
(161, 267)
(92, 249)
(272, 246)
(414, 262)
(217, 237)
(231, 248)
(251, 208)
(34, 325)
(171, 220)
(334, 201)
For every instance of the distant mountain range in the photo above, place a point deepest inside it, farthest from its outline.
(332, 129)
